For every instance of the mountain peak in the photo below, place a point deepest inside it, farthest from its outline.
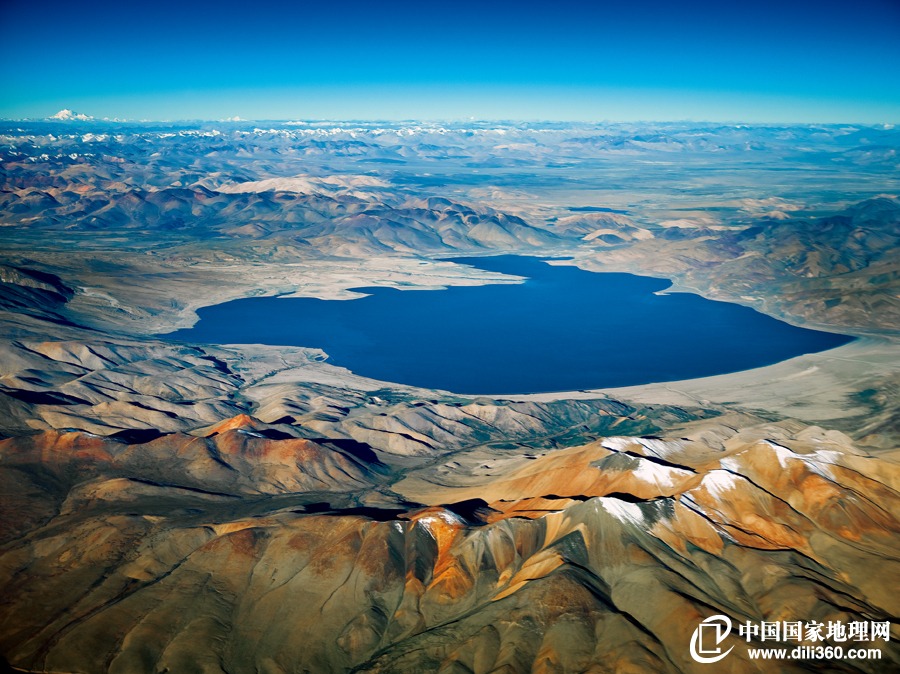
(67, 115)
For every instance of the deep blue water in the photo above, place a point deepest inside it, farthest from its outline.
(564, 329)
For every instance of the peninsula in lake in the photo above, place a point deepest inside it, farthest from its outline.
(469, 397)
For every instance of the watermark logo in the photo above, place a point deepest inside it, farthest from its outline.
(816, 640)
(706, 640)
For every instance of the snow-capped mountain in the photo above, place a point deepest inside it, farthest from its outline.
(68, 115)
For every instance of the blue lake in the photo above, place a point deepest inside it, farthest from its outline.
(564, 329)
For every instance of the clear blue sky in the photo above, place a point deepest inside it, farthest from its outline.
(754, 61)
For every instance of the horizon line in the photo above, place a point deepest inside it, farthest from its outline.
(437, 120)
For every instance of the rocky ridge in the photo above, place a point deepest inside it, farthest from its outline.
(489, 560)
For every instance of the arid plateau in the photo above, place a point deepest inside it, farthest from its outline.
(170, 506)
